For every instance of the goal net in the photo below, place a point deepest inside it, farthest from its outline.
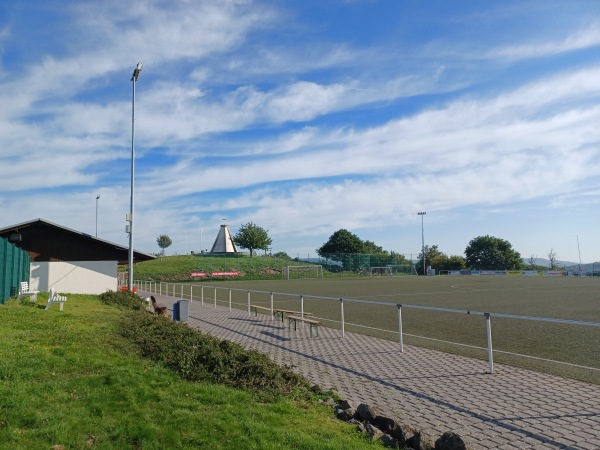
(404, 269)
(381, 271)
(296, 272)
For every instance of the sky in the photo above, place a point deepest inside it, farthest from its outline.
(306, 117)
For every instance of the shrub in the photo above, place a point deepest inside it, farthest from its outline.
(196, 356)
(123, 299)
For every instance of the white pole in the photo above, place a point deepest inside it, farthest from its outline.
(215, 297)
(400, 328)
(248, 303)
(202, 294)
(489, 340)
(230, 299)
(342, 313)
(271, 306)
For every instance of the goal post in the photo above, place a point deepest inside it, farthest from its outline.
(381, 271)
(297, 272)
(402, 269)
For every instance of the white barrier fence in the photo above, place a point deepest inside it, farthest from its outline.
(186, 291)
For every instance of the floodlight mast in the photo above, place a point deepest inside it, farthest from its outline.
(422, 213)
(134, 78)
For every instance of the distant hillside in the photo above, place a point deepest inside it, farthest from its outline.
(566, 265)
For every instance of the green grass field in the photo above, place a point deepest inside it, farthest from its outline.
(561, 298)
(70, 380)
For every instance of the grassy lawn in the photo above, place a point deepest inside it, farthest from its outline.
(70, 379)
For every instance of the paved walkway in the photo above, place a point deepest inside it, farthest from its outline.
(511, 409)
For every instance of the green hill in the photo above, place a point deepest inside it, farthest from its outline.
(181, 268)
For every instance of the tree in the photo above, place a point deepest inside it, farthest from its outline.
(342, 241)
(552, 257)
(282, 255)
(532, 261)
(252, 237)
(439, 261)
(163, 242)
(492, 253)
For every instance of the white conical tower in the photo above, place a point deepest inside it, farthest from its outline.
(223, 242)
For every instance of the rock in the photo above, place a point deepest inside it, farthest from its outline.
(385, 424)
(367, 413)
(329, 402)
(403, 433)
(450, 441)
(345, 404)
(388, 441)
(373, 432)
(344, 414)
(422, 440)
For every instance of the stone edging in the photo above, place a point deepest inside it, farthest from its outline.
(391, 433)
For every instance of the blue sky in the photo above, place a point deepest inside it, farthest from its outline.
(305, 117)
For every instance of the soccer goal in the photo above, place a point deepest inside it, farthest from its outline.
(403, 269)
(297, 272)
(381, 271)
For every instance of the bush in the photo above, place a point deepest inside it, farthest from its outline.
(196, 356)
(123, 299)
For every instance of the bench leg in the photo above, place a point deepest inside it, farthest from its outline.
(61, 305)
(290, 323)
(311, 329)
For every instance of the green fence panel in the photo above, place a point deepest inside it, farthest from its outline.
(14, 268)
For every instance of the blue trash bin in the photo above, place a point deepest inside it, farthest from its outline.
(176, 311)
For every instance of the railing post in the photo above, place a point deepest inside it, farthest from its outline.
(215, 297)
(202, 295)
(400, 328)
(229, 299)
(342, 314)
(248, 303)
(302, 308)
(271, 306)
(488, 321)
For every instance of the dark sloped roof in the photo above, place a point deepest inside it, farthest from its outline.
(47, 241)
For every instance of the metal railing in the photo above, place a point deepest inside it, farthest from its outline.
(186, 291)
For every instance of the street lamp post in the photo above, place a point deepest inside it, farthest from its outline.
(97, 198)
(422, 213)
(134, 77)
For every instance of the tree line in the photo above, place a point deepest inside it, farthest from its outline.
(482, 253)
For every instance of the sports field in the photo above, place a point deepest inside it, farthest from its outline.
(575, 346)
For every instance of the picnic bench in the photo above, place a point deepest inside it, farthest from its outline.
(54, 297)
(293, 319)
(277, 312)
(255, 308)
(25, 292)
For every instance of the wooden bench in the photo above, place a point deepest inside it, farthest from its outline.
(255, 308)
(54, 297)
(279, 313)
(25, 292)
(311, 322)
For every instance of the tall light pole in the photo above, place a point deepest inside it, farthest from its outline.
(134, 77)
(97, 198)
(422, 213)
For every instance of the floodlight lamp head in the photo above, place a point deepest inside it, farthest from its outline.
(136, 72)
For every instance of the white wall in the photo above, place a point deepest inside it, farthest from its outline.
(74, 277)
